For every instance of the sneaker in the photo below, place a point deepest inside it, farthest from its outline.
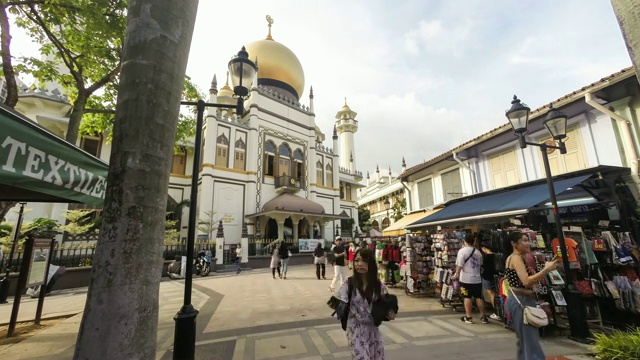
(495, 317)
(484, 320)
(467, 320)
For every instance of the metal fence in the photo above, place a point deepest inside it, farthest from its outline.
(82, 256)
(264, 247)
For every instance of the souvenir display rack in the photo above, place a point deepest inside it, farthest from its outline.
(446, 245)
(418, 267)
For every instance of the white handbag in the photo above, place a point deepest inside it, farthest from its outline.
(532, 315)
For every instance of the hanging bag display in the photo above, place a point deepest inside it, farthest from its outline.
(532, 315)
(620, 254)
(584, 286)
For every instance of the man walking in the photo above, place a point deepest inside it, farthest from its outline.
(339, 253)
(238, 258)
(468, 265)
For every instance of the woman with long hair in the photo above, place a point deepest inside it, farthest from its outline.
(320, 260)
(368, 306)
(521, 294)
(275, 262)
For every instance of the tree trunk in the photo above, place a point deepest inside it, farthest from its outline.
(7, 65)
(121, 313)
(628, 14)
(76, 116)
(5, 206)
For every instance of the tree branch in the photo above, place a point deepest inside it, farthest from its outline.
(69, 59)
(7, 67)
(105, 79)
(99, 111)
(25, 2)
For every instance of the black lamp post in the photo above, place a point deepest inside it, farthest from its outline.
(387, 204)
(242, 72)
(556, 124)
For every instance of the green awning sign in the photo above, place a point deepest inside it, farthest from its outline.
(36, 165)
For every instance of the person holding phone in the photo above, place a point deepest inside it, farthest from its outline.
(521, 282)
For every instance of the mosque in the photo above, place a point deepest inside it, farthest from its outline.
(270, 167)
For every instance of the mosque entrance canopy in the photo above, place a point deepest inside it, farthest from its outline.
(36, 165)
(295, 205)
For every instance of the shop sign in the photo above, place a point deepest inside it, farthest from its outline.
(570, 211)
(228, 218)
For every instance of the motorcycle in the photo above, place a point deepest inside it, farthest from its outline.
(203, 264)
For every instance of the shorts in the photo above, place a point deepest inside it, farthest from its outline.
(469, 291)
(488, 284)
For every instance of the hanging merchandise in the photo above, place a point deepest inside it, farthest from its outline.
(620, 254)
(419, 265)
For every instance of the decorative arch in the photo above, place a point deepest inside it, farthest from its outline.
(329, 172)
(270, 158)
(240, 155)
(284, 160)
(222, 151)
(385, 223)
(319, 173)
(298, 165)
(375, 225)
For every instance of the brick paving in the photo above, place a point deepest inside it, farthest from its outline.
(254, 317)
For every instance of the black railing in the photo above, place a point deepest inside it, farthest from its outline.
(264, 247)
(82, 256)
(288, 181)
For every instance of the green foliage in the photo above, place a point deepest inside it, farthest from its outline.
(208, 225)
(171, 233)
(399, 208)
(40, 227)
(79, 222)
(619, 345)
(364, 218)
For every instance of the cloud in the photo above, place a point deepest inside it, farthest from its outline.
(425, 31)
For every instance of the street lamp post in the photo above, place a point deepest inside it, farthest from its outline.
(242, 72)
(387, 204)
(556, 125)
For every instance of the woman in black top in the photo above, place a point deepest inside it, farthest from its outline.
(320, 260)
(284, 259)
(521, 283)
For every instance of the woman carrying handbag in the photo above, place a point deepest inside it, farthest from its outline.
(521, 300)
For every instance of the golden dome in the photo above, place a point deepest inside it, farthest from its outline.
(225, 95)
(277, 65)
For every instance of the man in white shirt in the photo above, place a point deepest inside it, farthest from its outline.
(238, 258)
(468, 265)
(340, 252)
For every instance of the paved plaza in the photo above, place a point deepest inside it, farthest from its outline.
(254, 317)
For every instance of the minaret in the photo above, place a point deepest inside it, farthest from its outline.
(346, 126)
(368, 179)
(311, 100)
(213, 90)
(377, 173)
(404, 165)
(389, 173)
(336, 149)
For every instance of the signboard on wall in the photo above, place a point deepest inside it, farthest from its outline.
(38, 262)
(308, 245)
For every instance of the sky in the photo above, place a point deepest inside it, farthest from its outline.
(423, 76)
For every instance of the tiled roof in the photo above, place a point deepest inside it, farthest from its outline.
(617, 76)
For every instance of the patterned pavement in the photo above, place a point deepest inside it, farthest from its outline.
(251, 316)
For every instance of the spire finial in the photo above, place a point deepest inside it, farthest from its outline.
(403, 162)
(345, 101)
(270, 22)
(335, 132)
(227, 82)
(311, 92)
(377, 168)
(214, 85)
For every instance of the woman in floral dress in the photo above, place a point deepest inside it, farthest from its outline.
(363, 335)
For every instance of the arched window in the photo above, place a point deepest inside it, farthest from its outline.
(347, 191)
(284, 160)
(320, 178)
(298, 164)
(239, 159)
(179, 163)
(385, 223)
(222, 151)
(269, 158)
(329, 176)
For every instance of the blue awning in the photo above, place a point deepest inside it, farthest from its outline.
(497, 204)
